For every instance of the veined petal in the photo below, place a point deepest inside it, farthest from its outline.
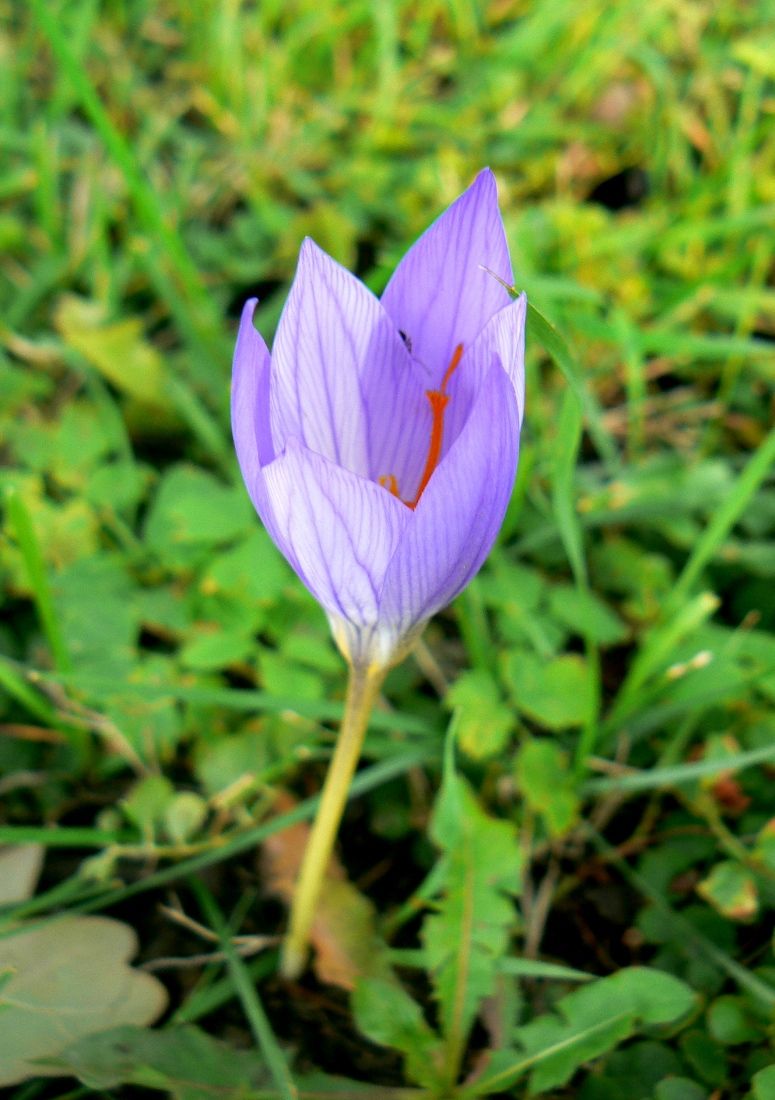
(439, 295)
(342, 530)
(340, 370)
(503, 337)
(461, 510)
(250, 393)
(250, 414)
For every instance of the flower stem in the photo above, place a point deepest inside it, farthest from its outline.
(362, 687)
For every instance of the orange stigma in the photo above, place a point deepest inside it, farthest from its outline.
(439, 400)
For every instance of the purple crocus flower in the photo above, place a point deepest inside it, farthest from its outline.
(379, 440)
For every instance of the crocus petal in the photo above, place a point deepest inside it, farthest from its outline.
(250, 394)
(461, 510)
(341, 530)
(341, 375)
(250, 414)
(439, 295)
(503, 337)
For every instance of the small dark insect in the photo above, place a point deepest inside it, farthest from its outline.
(407, 340)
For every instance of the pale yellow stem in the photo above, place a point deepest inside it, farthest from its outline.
(362, 688)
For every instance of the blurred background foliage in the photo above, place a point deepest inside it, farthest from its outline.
(612, 671)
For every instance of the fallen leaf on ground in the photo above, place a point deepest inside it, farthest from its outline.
(343, 934)
(20, 866)
(66, 979)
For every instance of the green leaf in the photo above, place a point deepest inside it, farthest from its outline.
(193, 511)
(731, 889)
(764, 1084)
(216, 649)
(93, 598)
(231, 760)
(284, 677)
(634, 1072)
(556, 694)
(184, 816)
(586, 615)
(706, 1057)
(547, 785)
(469, 932)
(69, 978)
(117, 486)
(483, 722)
(148, 802)
(586, 1024)
(730, 1022)
(252, 570)
(182, 1061)
(680, 1088)
(116, 349)
(68, 449)
(386, 1014)
(764, 848)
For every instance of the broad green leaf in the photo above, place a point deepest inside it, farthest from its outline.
(117, 485)
(232, 760)
(731, 1023)
(117, 349)
(284, 677)
(184, 816)
(511, 587)
(732, 890)
(706, 1057)
(586, 1024)
(151, 725)
(193, 511)
(469, 932)
(764, 1084)
(183, 1062)
(68, 449)
(680, 1088)
(586, 615)
(557, 694)
(93, 598)
(216, 649)
(251, 570)
(634, 1071)
(386, 1014)
(148, 802)
(482, 721)
(69, 978)
(764, 848)
(546, 784)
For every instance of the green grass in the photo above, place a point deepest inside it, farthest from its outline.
(611, 673)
